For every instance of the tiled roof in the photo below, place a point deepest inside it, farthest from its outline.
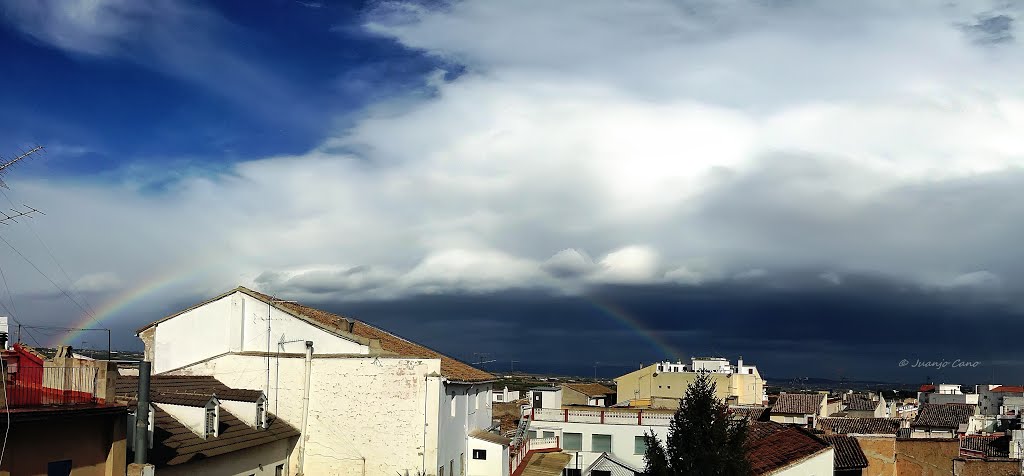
(545, 464)
(861, 403)
(127, 386)
(750, 413)
(996, 446)
(451, 369)
(173, 443)
(590, 389)
(771, 446)
(490, 437)
(848, 452)
(904, 433)
(927, 388)
(945, 415)
(802, 403)
(184, 399)
(869, 426)
(1009, 389)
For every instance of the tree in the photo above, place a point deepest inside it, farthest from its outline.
(702, 439)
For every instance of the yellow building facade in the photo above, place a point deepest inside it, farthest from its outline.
(663, 384)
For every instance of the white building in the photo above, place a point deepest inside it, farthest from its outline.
(588, 433)
(504, 395)
(991, 397)
(365, 401)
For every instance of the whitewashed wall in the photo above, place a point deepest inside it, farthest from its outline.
(465, 408)
(237, 323)
(821, 464)
(622, 439)
(368, 412)
(496, 463)
(260, 461)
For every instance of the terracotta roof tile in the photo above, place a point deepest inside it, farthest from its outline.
(802, 403)
(127, 386)
(927, 388)
(490, 437)
(451, 369)
(751, 413)
(946, 415)
(591, 389)
(868, 426)
(173, 443)
(848, 452)
(861, 403)
(1008, 389)
(994, 446)
(184, 399)
(771, 446)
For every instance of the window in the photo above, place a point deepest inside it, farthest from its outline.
(600, 472)
(261, 414)
(479, 454)
(59, 468)
(476, 401)
(440, 471)
(639, 445)
(572, 441)
(462, 464)
(572, 472)
(211, 421)
(601, 443)
(499, 397)
(453, 405)
(451, 468)
(279, 470)
(549, 434)
(531, 434)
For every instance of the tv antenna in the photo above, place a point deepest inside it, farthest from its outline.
(3, 167)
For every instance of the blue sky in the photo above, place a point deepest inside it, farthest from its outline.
(303, 69)
(729, 175)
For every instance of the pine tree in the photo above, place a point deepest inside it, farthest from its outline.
(702, 439)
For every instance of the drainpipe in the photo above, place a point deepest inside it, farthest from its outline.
(305, 406)
(142, 414)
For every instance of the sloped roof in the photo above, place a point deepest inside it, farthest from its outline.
(868, 426)
(614, 466)
(802, 403)
(751, 413)
(1008, 389)
(451, 368)
(944, 415)
(490, 437)
(184, 399)
(772, 446)
(173, 443)
(545, 464)
(848, 452)
(127, 386)
(993, 446)
(927, 388)
(590, 389)
(858, 402)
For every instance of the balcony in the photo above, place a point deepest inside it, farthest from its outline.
(530, 446)
(605, 417)
(31, 386)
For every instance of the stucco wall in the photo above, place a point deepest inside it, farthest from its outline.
(381, 411)
(94, 444)
(260, 461)
(465, 408)
(495, 464)
(237, 322)
(644, 384)
(880, 451)
(821, 464)
(926, 457)
(975, 467)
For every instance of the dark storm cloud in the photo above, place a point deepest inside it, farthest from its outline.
(991, 29)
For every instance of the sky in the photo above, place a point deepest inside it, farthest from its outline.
(827, 189)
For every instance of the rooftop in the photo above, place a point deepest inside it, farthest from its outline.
(994, 446)
(451, 368)
(1009, 389)
(859, 402)
(866, 426)
(772, 446)
(173, 443)
(945, 415)
(590, 389)
(848, 452)
(545, 464)
(801, 403)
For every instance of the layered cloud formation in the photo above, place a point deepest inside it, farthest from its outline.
(662, 143)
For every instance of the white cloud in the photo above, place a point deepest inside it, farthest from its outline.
(745, 136)
(97, 283)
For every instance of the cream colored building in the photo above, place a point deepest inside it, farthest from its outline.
(663, 384)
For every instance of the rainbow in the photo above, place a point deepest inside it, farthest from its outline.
(633, 324)
(133, 295)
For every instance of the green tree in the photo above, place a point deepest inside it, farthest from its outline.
(702, 439)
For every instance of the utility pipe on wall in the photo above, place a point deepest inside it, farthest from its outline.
(305, 406)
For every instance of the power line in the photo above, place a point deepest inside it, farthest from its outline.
(54, 283)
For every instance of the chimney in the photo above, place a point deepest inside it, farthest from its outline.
(739, 364)
(142, 414)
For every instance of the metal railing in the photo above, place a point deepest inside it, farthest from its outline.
(39, 386)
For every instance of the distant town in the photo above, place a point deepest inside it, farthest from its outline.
(247, 384)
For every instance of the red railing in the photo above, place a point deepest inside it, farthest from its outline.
(519, 455)
(38, 386)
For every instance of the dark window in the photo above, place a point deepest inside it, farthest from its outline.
(59, 468)
(279, 470)
(572, 472)
(451, 468)
(600, 472)
(479, 454)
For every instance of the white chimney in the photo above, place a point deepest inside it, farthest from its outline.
(739, 364)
